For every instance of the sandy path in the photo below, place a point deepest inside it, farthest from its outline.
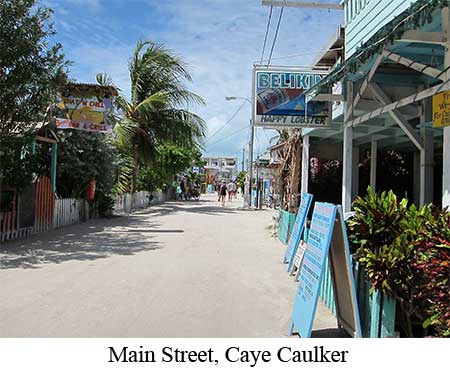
(183, 269)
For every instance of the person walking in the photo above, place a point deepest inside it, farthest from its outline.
(183, 190)
(230, 191)
(222, 192)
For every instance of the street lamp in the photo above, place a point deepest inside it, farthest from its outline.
(247, 193)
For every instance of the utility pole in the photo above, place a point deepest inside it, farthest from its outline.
(243, 158)
(248, 193)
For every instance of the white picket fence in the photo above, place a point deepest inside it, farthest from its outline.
(70, 211)
(130, 202)
(67, 212)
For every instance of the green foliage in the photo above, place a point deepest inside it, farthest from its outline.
(431, 269)
(154, 116)
(240, 180)
(405, 253)
(30, 70)
(17, 163)
(83, 156)
(105, 203)
(170, 159)
(30, 73)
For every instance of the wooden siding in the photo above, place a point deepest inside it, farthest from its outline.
(365, 17)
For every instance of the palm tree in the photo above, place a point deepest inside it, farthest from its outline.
(155, 113)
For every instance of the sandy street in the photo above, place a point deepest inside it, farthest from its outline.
(182, 269)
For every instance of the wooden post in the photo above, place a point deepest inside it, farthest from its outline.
(305, 164)
(54, 164)
(347, 156)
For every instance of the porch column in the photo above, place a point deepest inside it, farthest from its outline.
(347, 158)
(416, 178)
(373, 164)
(347, 152)
(355, 172)
(446, 136)
(427, 168)
(305, 164)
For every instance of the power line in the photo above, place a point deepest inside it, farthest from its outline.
(267, 33)
(276, 35)
(228, 136)
(227, 122)
(305, 54)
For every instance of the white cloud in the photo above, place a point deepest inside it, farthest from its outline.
(219, 39)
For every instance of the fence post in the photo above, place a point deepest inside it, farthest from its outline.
(375, 314)
(388, 317)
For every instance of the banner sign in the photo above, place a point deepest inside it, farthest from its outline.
(441, 109)
(88, 113)
(298, 229)
(323, 235)
(279, 100)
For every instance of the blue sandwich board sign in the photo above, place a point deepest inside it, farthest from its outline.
(298, 229)
(325, 238)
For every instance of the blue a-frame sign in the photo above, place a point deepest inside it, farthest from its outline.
(323, 234)
(297, 230)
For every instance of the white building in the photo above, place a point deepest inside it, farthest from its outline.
(220, 167)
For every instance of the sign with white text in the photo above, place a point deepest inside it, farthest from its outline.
(279, 100)
(298, 229)
(88, 113)
(326, 237)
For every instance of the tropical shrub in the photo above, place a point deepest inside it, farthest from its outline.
(404, 252)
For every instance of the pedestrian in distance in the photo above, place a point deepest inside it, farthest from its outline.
(183, 190)
(230, 191)
(222, 192)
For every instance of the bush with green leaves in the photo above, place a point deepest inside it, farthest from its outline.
(404, 252)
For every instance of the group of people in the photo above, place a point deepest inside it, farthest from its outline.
(186, 190)
(223, 189)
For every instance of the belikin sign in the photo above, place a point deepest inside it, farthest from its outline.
(279, 98)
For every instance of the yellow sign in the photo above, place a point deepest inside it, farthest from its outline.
(441, 109)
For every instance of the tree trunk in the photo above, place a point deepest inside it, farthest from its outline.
(135, 172)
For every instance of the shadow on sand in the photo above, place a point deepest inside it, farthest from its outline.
(100, 238)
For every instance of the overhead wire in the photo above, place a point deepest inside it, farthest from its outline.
(226, 122)
(267, 33)
(228, 136)
(276, 35)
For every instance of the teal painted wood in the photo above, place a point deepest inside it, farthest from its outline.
(285, 226)
(375, 314)
(291, 223)
(362, 291)
(388, 308)
(377, 311)
(326, 289)
(363, 23)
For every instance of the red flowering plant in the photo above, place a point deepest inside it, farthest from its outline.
(431, 274)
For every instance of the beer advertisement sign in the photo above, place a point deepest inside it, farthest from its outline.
(279, 98)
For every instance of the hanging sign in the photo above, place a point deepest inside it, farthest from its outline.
(279, 100)
(88, 113)
(441, 109)
(297, 230)
(326, 238)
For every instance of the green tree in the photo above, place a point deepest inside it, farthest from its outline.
(30, 70)
(170, 159)
(154, 115)
(30, 74)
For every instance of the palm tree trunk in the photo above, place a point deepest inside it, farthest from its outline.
(135, 171)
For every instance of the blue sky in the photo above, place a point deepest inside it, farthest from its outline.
(219, 39)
